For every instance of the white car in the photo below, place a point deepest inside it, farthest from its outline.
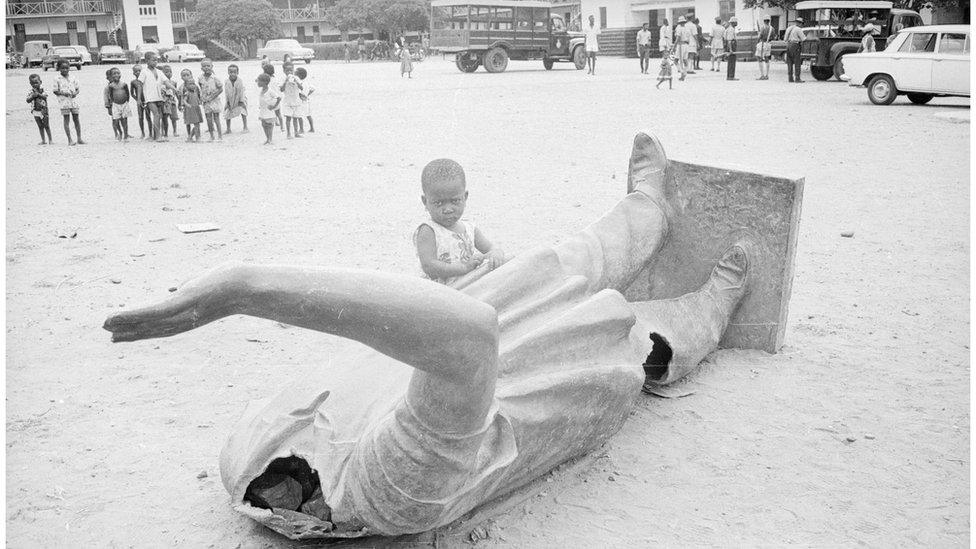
(184, 52)
(142, 49)
(920, 62)
(276, 50)
(86, 58)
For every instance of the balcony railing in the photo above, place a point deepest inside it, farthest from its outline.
(52, 9)
(180, 17)
(308, 13)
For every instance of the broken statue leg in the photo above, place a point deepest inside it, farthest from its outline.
(686, 329)
(454, 352)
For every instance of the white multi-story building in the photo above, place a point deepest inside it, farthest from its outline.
(91, 23)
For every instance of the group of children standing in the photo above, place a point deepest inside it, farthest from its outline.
(160, 101)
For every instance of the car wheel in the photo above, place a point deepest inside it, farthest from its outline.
(920, 98)
(307, 61)
(547, 63)
(466, 63)
(839, 67)
(496, 60)
(881, 90)
(822, 73)
(579, 58)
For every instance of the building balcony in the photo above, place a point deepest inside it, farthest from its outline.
(23, 10)
(293, 15)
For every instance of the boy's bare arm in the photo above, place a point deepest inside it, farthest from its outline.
(433, 267)
(494, 256)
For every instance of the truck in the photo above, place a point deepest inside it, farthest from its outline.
(489, 33)
(846, 18)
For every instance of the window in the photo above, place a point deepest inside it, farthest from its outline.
(72, 26)
(479, 18)
(603, 17)
(502, 19)
(557, 24)
(540, 16)
(726, 9)
(523, 18)
(919, 42)
(301, 33)
(953, 43)
(150, 34)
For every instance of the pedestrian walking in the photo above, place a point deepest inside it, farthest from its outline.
(592, 46)
(731, 46)
(644, 48)
(361, 49)
(666, 39)
(682, 40)
(718, 44)
(867, 42)
(794, 37)
(764, 48)
(699, 44)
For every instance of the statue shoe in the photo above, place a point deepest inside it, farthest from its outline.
(648, 166)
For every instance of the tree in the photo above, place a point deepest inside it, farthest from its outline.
(347, 15)
(398, 16)
(916, 5)
(236, 21)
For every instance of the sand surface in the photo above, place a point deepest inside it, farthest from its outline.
(105, 442)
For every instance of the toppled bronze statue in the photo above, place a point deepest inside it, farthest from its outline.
(465, 394)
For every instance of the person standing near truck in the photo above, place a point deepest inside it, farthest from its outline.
(794, 37)
(592, 46)
(730, 48)
(644, 48)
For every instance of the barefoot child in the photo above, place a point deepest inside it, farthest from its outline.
(38, 100)
(306, 109)
(273, 82)
(190, 94)
(448, 247)
(406, 63)
(117, 97)
(171, 100)
(291, 88)
(667, 62)
(235, 102)
(210, 90)
(66, 88)
(268, 102)
(135, 89)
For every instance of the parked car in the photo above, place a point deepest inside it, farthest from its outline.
(34, 52)
(276, 50)
(920, 62)
(111, 54)
(57, 53)
(847, 17)
(86, 56)
(142, 49)
(489, 33)
(184, 52)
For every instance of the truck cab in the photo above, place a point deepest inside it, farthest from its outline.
(491, 32)
(847, 19)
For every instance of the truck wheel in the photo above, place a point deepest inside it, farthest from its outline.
(496, 60)
(547, 63)
(822, 73)
(579, 58)
(920, 98)
(839, 67)
(465, 63)
(881, 90)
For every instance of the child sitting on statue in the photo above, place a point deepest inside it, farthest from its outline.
(449, 248)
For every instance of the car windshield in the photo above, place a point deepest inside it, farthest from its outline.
(919, 42)
(283, 43)
(65, 51)
(111, 49)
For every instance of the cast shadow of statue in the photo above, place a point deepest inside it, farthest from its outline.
(464, 394)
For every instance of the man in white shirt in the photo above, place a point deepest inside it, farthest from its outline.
(644, 48)
(152, 93)
(684, 38)
(667, 38)
(794, 37)
(718, 44)
(591, 32)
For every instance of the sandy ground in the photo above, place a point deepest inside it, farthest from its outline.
(105, 441)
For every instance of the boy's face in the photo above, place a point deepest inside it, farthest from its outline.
(136, 70)
(288, 68)
(115, 76)
(206, 67)
(445, 201)
(168, 72)
(186, 76)
(232, 73)
(151, 60)
(35, 81)
(63, 69)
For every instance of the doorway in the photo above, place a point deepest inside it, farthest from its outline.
(72, 33)
(92, 34)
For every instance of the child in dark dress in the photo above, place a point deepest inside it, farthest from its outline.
(38, 100)
(192, 114)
